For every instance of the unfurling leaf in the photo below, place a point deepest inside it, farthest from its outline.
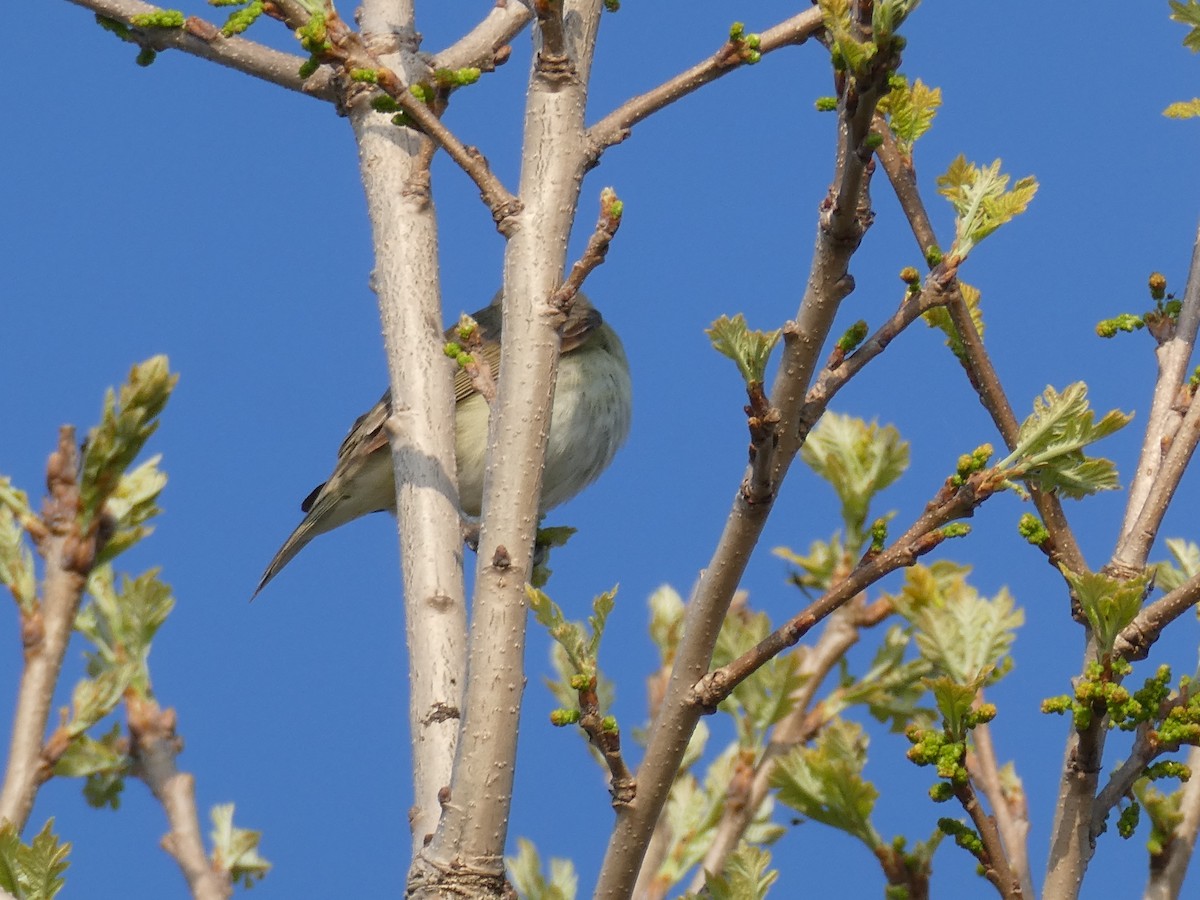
(749, 350)
(981, 198)
(962, 634)
(1050, 444)
(939, 317)
(859, 460)
(235, 850)
(1187, 563)
(910, 110)
(824, 781)
(33, 870)
(525, 872)
(746, 875)
(1110, 604)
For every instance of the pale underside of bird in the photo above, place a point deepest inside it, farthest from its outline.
(590, 419)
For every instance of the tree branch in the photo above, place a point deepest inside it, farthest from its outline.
(394, 166)
(1163, 421)
(992, 858)
(154, 746)
(1011, 814)
(486, 45)
(616, 126)
(200, 38)
(68, 557)
(469, 844)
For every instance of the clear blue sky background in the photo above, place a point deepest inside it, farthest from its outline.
(192, 211)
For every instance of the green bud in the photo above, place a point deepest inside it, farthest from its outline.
(873, 141)
(1031, 528)
(609, 724)
(853, 336)
(1158, 285)
(560, 718)
(736, 30)
(933, 255)
(365, 76)
(384, 104)
(1128, 821)
(909, 275)
(826, 104)
(941, 792)
(612, 5)
(120, 29)
(309, 66)
(146, 56)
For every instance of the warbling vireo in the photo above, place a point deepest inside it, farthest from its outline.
(589, 421)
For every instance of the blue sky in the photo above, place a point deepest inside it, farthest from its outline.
(189, 210)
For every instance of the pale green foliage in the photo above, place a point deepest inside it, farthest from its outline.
(1050, 444)
(101, 762)
(1165, 812)
(891, 689)
(859, 460)
(962, 634)
(816, 570)
(1183, 109)
(758, 702)
(747, 875)
(1188, 13)
(525, 873)
(887, 16)
(1187, 563)
(982, 201)
(666, 622)
(749, 349)
(122, 624)
(581, 645)
(954, 700)
(235, 850)
(694, 810)
(131, 505)
(910, 110)
(16, 562)
(32, 871)
(824, 781)
(1109, 603)
(127, 422)
(939, 317)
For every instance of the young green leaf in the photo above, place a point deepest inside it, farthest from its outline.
(1183, 109)
(1188, 13)
(749, 350)
(891, 689)
(32, 871)
(859, 460)
(235, 850)
(1109, 603)
(16, 561)
(824, 781)
(525, 872)
(1050, 444)
(910, 110)
(1187, 563)
(127, 422)
(981, 198)
(746, 875)
(939, 317)
(959, 632)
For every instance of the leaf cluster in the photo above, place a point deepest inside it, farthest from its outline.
(235, 850)
(750, 350)
(1051, 441)
(525, 873)
(982, 201)
(32, 871)
(909, 110)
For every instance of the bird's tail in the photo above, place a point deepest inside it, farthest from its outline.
(297, 541)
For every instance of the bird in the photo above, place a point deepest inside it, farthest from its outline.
(589, 421)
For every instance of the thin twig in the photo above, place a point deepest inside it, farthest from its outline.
(596, 250)
(1135, 641)
(995, 864)
(977, 363)
(615, 127)
(68, 556)
(200, 38)
(1173, 355)
(1011, 814)
(154, 747)
(922, 536)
